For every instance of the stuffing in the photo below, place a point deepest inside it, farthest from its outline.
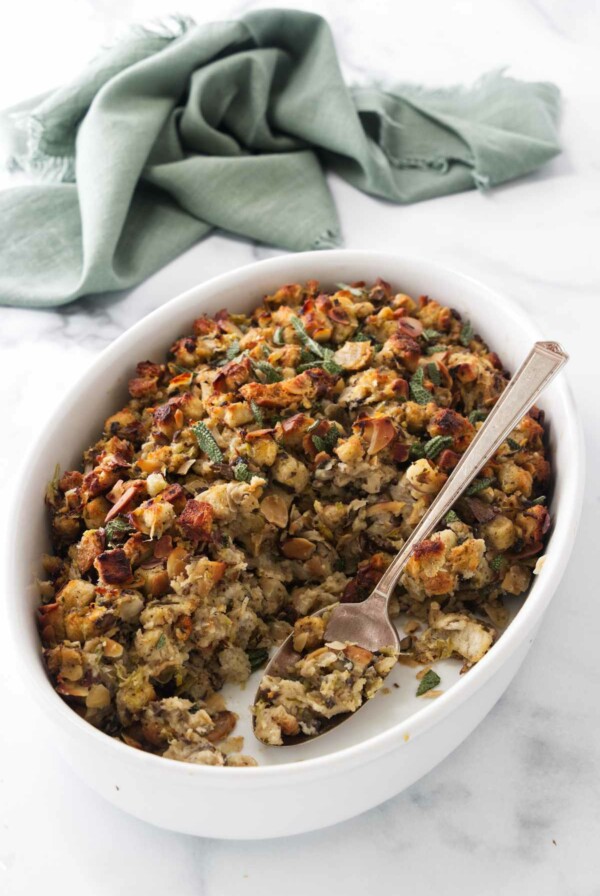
(267, 469)
(354, 355)
(424, 478)
(327, 680)
(453, 634)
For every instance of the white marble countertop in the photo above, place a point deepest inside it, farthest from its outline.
(516, 809)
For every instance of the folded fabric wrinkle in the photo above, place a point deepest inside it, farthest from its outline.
(182, 128)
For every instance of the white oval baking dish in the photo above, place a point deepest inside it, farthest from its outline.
(391, 743)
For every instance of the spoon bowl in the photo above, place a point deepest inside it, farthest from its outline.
(363, 623)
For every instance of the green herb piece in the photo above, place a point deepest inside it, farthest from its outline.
(270, 373)
(116, 527)
(434, 349)
(540, 500)
(429, 681)
(161, 641)
(451, 517)
(242, 473)
(513, 445)
(257, 656)
(179, 369)
(265, 350)
(304, 338)
(329, 364)
(475, 416)
(52, 487)
(325, 355)
(256, 412)
(417, 389)
(233, 350)
(359, 336)
(466, 334)
(278, 336)
(478, 485)
(416, 451)
(434, 374)
(353, 290)
(319, 443)
(207, 443)
(306, 356)
(429, 333)
(435, 445)
(328, 441)
(497, 563)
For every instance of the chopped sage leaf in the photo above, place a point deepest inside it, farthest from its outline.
(328, 441)
(320, 443)
(179, 369)
(52, 487)
(477, 415)
(161, 641)
(278, 336)
(325, 355)
(270, 373)
(256, 412)
(429, 681)
(329, 364)
(434, 374)
(418, 391)
(233, 350)
(207, 443)
(497, 563)
(361, 337)
(416, 451)
(451, 517)
(242, 473)
(478, 485)
(435, 445)
(116, 527)
(305, 339)
(434, 349)
(429, 334)
(257, 657)
(513, 445)
(540, 500)
(466, 334)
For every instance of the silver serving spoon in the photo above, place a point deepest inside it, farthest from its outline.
(368, 623)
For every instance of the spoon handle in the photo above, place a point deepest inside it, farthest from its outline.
(541, 365)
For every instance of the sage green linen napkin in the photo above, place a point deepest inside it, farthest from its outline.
(176, 131)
